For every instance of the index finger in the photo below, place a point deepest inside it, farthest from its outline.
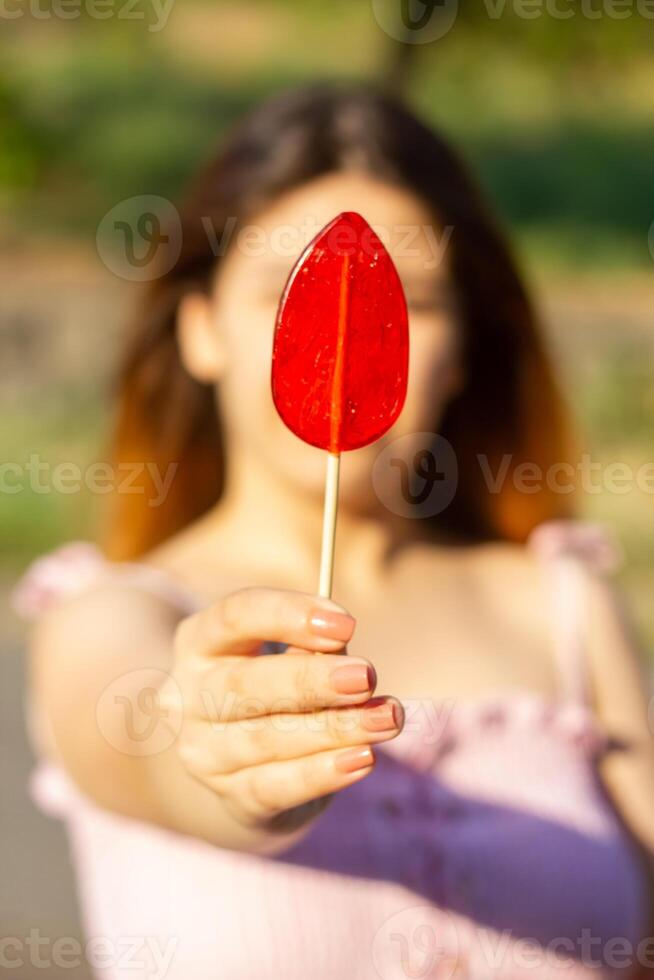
(237, 624)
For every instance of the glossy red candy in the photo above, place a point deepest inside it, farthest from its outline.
(341, 347)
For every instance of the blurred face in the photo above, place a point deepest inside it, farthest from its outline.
(229, 337)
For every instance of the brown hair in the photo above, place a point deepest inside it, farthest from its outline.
(510, 403)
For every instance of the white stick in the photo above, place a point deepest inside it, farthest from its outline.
(329, 525)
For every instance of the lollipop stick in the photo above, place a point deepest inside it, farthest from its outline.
(334, 458)
(329, 525)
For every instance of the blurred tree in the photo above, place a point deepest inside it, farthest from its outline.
(582, 32)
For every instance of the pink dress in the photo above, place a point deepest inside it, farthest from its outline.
(482, 846)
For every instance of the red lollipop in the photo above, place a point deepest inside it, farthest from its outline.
(341, 350)
(341, 344)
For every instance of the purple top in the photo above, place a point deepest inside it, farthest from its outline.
(481, 846)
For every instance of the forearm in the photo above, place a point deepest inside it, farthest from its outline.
(151, 716)
(97, 713)
(141, 776)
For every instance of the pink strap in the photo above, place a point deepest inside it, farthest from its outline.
(569, 550)
(75, 567)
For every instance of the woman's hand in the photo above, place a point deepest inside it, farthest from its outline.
(274, 735)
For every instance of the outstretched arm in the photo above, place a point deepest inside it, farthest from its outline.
(185, 724)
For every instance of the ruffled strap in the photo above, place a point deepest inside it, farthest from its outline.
(593, 544)
(569, 551)
(75, 567)
(56, 575)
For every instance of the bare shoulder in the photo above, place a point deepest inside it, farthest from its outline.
(94, 630)
(618, 664)
(495, 573)
(109, 604)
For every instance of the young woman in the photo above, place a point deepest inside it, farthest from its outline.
(470, 791)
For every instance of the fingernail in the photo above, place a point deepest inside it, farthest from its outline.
(353, 679)
(353, 759)
(382, 717)
(331, 624)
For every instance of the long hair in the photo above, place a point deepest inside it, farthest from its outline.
(509, 410)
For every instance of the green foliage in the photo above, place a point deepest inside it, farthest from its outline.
(55, 427)
(560, 29)
(617, 400)
(22, 142)
(109, 110)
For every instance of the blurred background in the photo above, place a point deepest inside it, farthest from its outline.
(555, 115)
